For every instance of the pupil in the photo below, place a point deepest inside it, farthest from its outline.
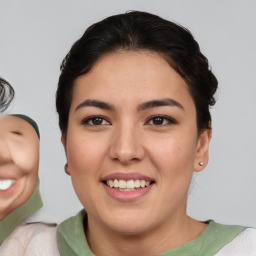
(97, 121)
(158, 120)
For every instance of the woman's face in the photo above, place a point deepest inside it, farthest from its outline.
(132, 143)
(19, 157)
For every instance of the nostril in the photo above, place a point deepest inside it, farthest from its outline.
(125, 146)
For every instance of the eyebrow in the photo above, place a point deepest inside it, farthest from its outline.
(160, 103)
(95, 103)
(143, 106)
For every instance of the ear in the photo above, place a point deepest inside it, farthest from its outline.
(202, 151)
(64, 143)
(66, 168)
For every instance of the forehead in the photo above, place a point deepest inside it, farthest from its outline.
(133, 64)
(13, 123)
(140, 75)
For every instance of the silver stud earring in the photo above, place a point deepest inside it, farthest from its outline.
(200, 163)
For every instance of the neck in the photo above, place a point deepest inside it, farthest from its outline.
(171, 234)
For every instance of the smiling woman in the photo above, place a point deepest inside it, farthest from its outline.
(133, 102)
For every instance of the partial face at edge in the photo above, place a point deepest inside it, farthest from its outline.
(19, 160)
(133, 118)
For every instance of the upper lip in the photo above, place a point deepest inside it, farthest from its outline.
(9, 172)
(8, 177)
(126, 176)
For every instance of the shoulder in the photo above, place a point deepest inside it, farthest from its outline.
(31, 239)
(71, 238)
(73, 222)
(43, 239)
(243, 244)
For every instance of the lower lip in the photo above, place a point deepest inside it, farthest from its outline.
(10, 191)
(126, 196)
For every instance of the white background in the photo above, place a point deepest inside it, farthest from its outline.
(36, 35)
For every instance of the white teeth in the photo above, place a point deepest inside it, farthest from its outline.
(137, 183)
(116, 183)
(128, 185)
(126, 189)
(5, 184)
(122, 184)
(143, 183)
(110, 183)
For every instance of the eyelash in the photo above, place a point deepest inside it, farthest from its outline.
(165, 120)
(89, 119)
(16, 132)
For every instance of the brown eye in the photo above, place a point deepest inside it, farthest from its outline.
(95, 121)
(160, 120)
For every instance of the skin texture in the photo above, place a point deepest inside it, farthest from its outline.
(130, 139)
(19, 159)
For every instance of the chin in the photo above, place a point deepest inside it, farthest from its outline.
(127, 224)
(129, 230)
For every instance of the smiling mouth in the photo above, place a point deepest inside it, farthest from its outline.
(6, 183)
(127, 185)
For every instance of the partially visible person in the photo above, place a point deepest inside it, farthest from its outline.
(6, 94)
(19, 190)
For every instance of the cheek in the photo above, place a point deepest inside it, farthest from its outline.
(174, 155)
(27, 159)
(85, 155)
(173, 159)
(85, 159)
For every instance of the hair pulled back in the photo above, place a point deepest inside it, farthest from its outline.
(134, 31)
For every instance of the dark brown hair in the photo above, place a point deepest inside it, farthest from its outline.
(134, 31)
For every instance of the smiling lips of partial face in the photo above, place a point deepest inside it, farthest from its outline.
(6, 183)
(10, 176)
(11, 179)
(12, 188)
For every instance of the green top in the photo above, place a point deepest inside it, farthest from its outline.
(12, 220)
(72, 241)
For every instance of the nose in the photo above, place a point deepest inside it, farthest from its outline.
(126, 145)
(5, 156)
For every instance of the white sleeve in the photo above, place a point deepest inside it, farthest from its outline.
(31, 240)
(243, 244)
